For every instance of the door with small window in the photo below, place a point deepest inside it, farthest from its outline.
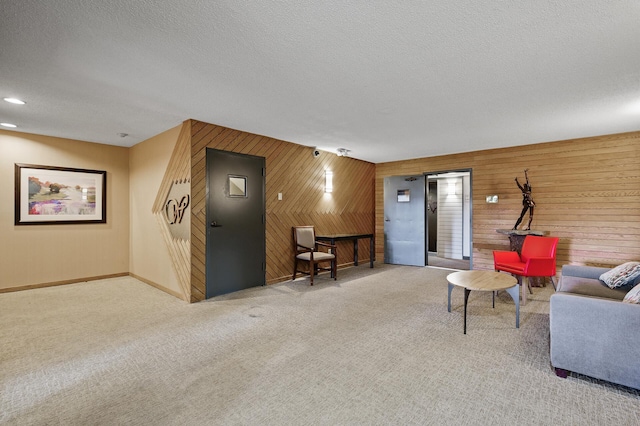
(235, 237)
(404, 220)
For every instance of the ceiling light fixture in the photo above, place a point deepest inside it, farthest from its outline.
(342, 152)
(15, 101)
(8, 125)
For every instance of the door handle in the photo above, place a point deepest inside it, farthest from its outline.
(214, 224)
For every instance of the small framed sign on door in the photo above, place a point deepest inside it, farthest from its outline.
(404, 196)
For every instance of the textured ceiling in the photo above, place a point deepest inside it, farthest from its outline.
(386, 80)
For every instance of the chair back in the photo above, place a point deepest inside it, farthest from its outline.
(540, 247)
(304, 236)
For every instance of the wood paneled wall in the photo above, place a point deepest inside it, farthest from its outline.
(293, 171)
(587, 192)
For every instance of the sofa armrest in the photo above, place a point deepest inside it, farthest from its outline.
(581, 271)
(596, 337)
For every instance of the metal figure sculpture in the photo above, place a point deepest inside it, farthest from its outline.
(527, 201)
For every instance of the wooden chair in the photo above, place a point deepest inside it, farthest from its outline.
(307, 249)
(536, 259)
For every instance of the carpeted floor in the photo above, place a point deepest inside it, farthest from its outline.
(375, 347)
(442, 262)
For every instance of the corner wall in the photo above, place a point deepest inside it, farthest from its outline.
(586, 192)
(40, 255)
(293, 171)
(150, 260)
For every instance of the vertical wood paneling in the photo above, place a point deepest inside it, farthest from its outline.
(293, 171)
(587, 192)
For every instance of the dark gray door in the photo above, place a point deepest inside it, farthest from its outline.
(236, 245)
(404, 222)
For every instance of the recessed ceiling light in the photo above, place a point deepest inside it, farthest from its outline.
(8, 125)
(15, 101)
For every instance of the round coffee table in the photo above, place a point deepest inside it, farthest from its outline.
(484, 281)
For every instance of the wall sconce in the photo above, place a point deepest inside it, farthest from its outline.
(328, 181)
(452, 187)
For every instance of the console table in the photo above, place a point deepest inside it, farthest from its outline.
(332, 238)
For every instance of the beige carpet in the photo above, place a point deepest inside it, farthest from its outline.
(443, 262)
(375, 347)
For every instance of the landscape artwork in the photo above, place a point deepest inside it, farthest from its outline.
(54, 195)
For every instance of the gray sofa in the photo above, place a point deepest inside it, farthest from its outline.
(592, 331)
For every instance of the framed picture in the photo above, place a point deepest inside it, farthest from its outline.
(59, 195)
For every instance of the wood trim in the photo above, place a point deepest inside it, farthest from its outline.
(339, 266)
(179, 254)
(159, 287)
(63, 282)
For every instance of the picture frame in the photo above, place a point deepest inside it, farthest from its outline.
(49, 195)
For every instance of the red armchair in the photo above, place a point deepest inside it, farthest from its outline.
(537, 259)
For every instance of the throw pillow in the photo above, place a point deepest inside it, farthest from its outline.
(621, 275)
(633, 296)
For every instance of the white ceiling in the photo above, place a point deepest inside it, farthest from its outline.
(388, 80)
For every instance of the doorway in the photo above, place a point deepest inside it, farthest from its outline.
(235, 220)
(404, 220)
(449, 219)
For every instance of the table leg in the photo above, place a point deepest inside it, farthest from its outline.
(449, 304)
(466, 298)
(513, 292)
(355, 252)
(372, 251)
(333, 243)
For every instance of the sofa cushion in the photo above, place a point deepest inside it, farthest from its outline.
(622, 275)
(589, 287)
(633, 296)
